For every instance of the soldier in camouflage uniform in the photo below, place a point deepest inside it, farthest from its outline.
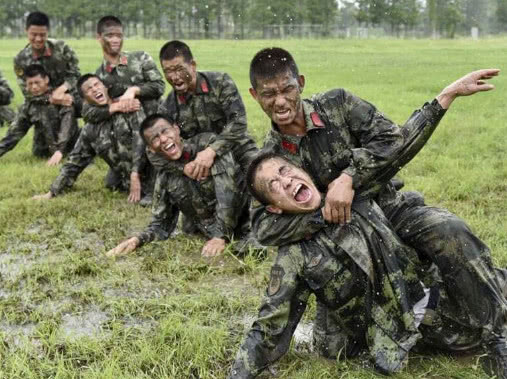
(127, 75)
(218, 205)
(6, 114)
(116, 141)
(55, 126)
(57, 58)
(205, 102)
(367, 283)
(351, 150)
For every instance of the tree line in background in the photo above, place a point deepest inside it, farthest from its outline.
(264, 18)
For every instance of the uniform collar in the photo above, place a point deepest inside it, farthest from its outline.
(123, 61)
(48, 51)
(312, 118)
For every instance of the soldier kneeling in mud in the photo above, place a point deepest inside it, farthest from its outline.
(373, 292)
(217, 205)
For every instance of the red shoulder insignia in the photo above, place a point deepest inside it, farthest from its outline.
(290, 147)
(186, 156)
(316, 120)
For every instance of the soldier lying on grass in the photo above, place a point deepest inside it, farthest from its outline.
(368, 284)
(116, 140)
(217, 205)
(55, 126)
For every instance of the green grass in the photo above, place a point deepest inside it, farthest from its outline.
(67, 311)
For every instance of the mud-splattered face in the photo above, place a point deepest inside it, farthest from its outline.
(280, 97)
(288, 188)
(165, 139)
(181, 75)
(95, 92)
(111, 40)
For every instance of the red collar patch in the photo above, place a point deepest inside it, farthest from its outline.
(109, 67)
(316, 120)
(47, 53)
(204, 86)
(186, 156)
(182, 99)
(290, 147)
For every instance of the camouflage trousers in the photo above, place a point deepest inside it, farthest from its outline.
(7, 115)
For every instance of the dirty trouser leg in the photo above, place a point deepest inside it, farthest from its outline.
(114, 181)
(463, 260)
(40, 146)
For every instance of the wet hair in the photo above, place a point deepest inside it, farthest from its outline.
(149, 121)
(270, 62)
(173, 49)
(107, 21)
(37, 19)
(35, 69)
(82, 79)
(252, 171)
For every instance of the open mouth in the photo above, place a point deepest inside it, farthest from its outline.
(301, 193)
(283, 113)
(170, 148)
(99, 96)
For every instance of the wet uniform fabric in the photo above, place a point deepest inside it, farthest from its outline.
(367, 285)
(60, 62)
(136, 68)
(215, 107)
(6, 95)
(347, 134)
(217, 205)
(118, 142)
(55, 127)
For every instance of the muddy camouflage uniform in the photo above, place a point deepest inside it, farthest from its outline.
(367, 287)
(347, 134)
(6, 114)
(118, 143)
(218, 205)
(215, 107)
(135, 68)
(55, 127)
(59, 61)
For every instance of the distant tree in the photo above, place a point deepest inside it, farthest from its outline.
(501, 14)
(322, 12)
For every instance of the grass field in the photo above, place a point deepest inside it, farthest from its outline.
(67, 311)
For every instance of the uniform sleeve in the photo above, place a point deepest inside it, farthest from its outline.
(153, 86)
(20, 72)
(72, 72)
(381, 142)
(17, 131)
(164, 213)
(6, 93)
(280, 312)
(68, 126)
(93, 114)
(81, 156)
(231, 196)
(232, 105)
(138, 146)
(272, 229)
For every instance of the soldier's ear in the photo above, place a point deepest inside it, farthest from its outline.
(301, 82)
(274, 209)
(253, 92)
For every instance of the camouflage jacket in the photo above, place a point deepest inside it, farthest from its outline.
(215, 204)
(6, 93)
(56, 124)
(345, 135)
(372, 291)
(135, 68)
(59, 61)
(117, 141)
(216, 107)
